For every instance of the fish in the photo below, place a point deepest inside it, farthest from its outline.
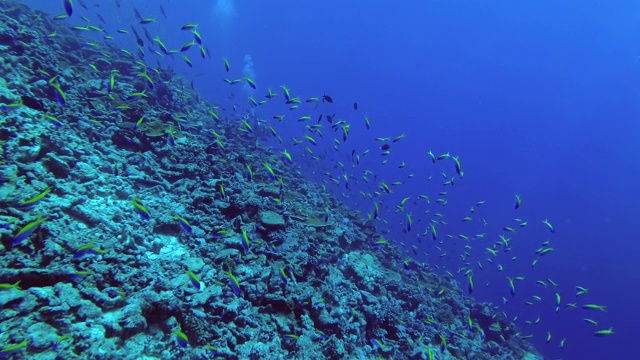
(549, 226)
(187, 61)
(181, 337)
(140, 209)
(327, 98)
(199, 285)
(245, 240)
(594, 307)
(189, 26)
(183, 223)
(15, 285)
(512, 287)
(249, 173)
(283, 276)
(458, 166)
(13, 348)
(89, 249)
(250, 82)
(196, 37)
(227, 67)
(270, 172)
(60, 95)
(27, 230)
(603, 333)
(187, 46)
(518, 202)
(233, 283)
(68, 7)
(34, 200)
(433, 156)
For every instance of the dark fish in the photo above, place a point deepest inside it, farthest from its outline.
(327, 98)
(138, 39)
(84, 6)
(137, 14)
(101, 18)
(162, 11)
(385, 147)
(147, 35)
(68, 7)
(355, 106)
(118, 4)
(330, 118)
(319, 118)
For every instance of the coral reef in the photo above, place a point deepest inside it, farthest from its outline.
(129, 230)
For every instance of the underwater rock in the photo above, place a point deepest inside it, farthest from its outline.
(272, 220)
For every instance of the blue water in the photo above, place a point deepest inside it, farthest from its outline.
(538, 98)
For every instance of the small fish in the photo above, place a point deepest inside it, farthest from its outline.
(245, 240)
(68, 7)
(581, 290)
(590, 321)
(199, 285)
(458, 166)
(327, 98)
(60, 95)
(187, 46)
(377, 344)
(181, 337)
(13, 348)
(196, 37)
(33, 201)
(111, 83)
(518, 202)
(284, 276)
(270, 172)
(433, 156)
(250, 82)
(287, 157)
(549, 226)
(233, 283)
(399, 137)
(512, 287)
(89, 249)
(594, 307)
(15, 285)
(187, 61)
(249, 173)
(189, 27)
(140, 209)
(27, 230)
(184, 223)
(603, 333)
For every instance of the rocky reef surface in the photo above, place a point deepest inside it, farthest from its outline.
(133, 226)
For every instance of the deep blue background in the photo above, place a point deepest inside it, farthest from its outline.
(538, 98)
